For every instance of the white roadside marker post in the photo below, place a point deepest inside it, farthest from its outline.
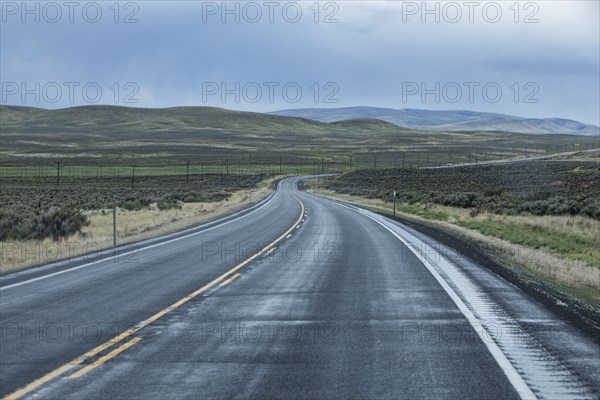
(114, 225)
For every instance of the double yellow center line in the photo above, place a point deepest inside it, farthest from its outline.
(94, 352)
(230, 279)
(105, 358)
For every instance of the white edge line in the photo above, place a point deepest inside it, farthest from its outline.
(39, 278)
(509, 370)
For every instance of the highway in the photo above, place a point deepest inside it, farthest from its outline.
(297, 297)
(518, 160)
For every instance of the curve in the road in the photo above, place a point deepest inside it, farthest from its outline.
(386, 294)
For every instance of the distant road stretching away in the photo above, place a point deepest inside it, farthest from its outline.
(296, 297)
(517, 160)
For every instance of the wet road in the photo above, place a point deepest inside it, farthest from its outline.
(299, 297)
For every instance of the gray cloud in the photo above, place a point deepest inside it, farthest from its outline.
(369, 54)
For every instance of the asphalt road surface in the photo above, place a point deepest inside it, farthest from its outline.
(297, 297)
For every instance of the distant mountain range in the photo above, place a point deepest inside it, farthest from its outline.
(102, 134)
(451, 120)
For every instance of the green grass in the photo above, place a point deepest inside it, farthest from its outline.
(536, 237)
(422, 212)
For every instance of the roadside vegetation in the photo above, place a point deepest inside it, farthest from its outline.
(538, 188)
(42, 222)
(37, 208)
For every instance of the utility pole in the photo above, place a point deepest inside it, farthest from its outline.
(394, 203)
(57, 172)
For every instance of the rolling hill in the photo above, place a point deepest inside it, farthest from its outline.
(111, 134)
(451, 120)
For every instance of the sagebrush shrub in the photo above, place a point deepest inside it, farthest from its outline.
(56, 222)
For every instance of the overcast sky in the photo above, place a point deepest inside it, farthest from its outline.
(539, 59)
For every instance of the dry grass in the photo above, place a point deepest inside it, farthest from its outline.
(132, 226)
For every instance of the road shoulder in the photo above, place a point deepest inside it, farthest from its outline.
(582, 314)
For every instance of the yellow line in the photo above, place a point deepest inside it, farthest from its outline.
(66, 367)
(33, 385)
(107, 357)
(229, 280)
